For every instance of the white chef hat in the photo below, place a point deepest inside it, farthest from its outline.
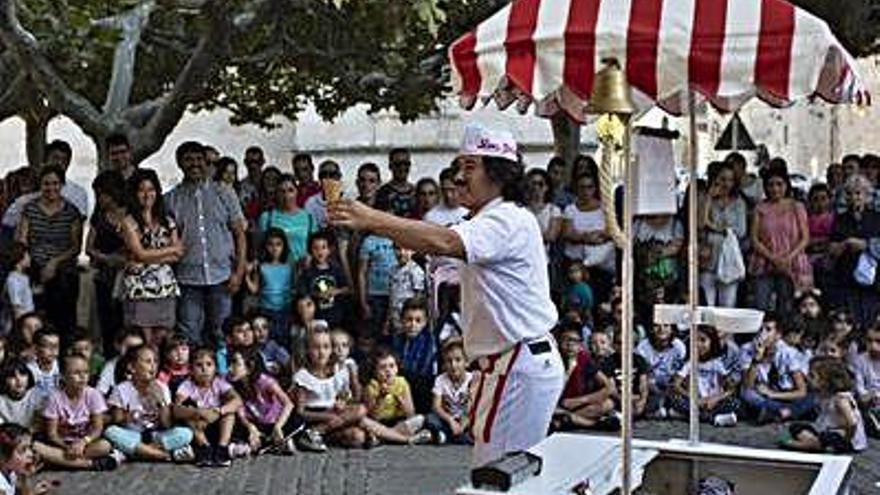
(480, 141)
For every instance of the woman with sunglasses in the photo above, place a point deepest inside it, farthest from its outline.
(507, 313)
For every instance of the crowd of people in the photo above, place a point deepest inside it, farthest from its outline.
(235, 321)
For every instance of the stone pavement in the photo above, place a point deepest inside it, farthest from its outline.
(385, 470)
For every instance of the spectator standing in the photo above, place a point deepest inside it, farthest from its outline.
(427, 196)
(51, 227)
(106, 249)
(304, 172)
(296, 223)
(780, 234)
(584, 232)
(210, 224)
(150, 288)
(316, 205)
(119, 155)
(398, 196)
(723, 209)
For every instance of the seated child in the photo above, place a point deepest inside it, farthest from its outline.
(44, 367)
(174, 369)
(418, 352)
(866, 371)
(18, 298)
(21, 404)
(775, 385)
(21, 341)
(453, 390)
(665, 355)
(341, 357)
(611, 363)
(81, 343)
(140, 410)
(319, 388)
(207, 404)
(716, 391)
(18, 462)
(390, 403)
(74, 416)
(586, 399)
(125, 340)
(275, 357)
(839, 428)
(268, 419)
(303, 322)
(238, 334)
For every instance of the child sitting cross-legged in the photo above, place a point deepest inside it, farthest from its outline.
(716, 390)
(389, 402)
(140, 410)
(866, 370)
(74, 416)
(665, 355)
(586, 398)
(453, 391)
(774, 385)
(839, 428)
(267, 421)
(207, 404)
(275, 357)
(174, 362)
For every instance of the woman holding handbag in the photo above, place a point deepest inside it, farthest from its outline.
(723, 209)
(853, 247)
(586, 240)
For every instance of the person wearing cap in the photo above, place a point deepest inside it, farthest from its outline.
(507, 313)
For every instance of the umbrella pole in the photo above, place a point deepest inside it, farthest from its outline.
(628, 313)
(693, 272)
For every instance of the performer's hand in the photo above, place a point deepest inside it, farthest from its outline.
(349, 214)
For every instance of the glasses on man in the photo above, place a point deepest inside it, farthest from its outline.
(401, 163)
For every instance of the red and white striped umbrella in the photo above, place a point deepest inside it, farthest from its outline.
(547, 51)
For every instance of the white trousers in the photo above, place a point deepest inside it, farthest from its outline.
(717, 293)
(515, 399)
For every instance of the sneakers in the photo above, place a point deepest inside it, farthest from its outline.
(415, 423)
(183, 455)
(440, 438)
(421, 438)
(609, 422)
(661, 413)
(221, 457)
(289, 447)
(728, 419)
(239, 450)
(311, 441)
(106, 463)
(203, 456)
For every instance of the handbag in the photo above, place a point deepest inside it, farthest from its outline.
(865, 271)
(731, 267)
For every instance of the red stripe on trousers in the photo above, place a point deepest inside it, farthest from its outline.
(520, 44)
(707, 45)
(499, 389)
(641, 45)
(476, 402)
(580, 47)
(464, 56)
(773, 63)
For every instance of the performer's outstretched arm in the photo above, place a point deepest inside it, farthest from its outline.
(419, 236)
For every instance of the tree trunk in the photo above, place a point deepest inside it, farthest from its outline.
(566, 139)
(36, 123)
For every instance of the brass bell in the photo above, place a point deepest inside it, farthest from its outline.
(611, 92)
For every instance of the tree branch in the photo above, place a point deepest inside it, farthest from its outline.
(132, 24)
(26, 50)
(212, 47)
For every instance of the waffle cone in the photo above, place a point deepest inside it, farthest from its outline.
(332, 189)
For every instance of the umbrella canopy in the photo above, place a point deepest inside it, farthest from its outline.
(547, 52)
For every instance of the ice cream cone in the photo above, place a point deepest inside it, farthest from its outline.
(332, 189)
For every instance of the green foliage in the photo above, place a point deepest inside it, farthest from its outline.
(855, 22)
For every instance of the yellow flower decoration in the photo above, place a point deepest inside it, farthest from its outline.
(610, 130)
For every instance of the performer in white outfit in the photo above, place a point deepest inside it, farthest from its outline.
(507, 313)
